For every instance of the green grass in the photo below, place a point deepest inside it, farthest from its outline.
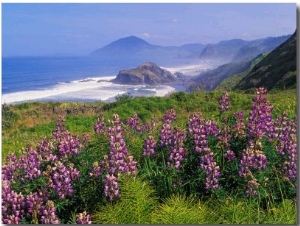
(140, 202)
(32, 121)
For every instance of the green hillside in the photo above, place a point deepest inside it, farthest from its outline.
(232, 81)
(275, 71)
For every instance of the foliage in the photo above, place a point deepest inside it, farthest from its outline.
(8, 117)
(230, 82)
(276, 70)
(235, 152)
(137, 202)
(179, 209)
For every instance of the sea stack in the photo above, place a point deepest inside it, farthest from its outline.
(146, 73)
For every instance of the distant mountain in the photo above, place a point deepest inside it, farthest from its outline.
(223, 51)
(146, 73)
(210, 79)
(238, 50)
(134, 47)
(276, 70)
(235, 50)
(259, 46)
(128, 45)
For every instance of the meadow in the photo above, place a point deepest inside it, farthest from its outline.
(191, 158)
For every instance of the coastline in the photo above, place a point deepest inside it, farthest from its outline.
(88, 90)
(101, 88)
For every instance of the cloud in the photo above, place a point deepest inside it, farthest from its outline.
(169, 21)
(146, 35)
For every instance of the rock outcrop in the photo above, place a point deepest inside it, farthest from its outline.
(147, 73)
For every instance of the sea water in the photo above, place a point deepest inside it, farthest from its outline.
(80, 78)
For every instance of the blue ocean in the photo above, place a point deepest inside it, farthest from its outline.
(80, 78)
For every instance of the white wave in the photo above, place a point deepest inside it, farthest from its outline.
(97, 89)
(190, 69)
(164, 90)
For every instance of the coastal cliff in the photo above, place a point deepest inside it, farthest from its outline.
(146, 73)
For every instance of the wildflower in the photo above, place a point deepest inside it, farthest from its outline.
(133, 122)
(229, 155)
(252, 187)
(212, 171)
(177, 149)
(111, 187)
(47, 213)
(260, 118)
(96, 170)
(83, 218)
(13, 204)
(99, 126)
(239, 127)
(224, 102)
(149, 146)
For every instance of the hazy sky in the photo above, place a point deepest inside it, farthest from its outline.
(80, 28)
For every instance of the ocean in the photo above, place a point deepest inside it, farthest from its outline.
(81, 78)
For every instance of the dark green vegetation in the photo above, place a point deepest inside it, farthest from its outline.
(211, 79)
(155, 194)
(276, 71)
(273, 70)
(233, 79)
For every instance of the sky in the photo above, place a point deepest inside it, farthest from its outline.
(30, 29)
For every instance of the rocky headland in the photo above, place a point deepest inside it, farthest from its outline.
(146, 73)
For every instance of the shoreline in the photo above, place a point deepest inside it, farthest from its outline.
(100, 88)
(90, 95)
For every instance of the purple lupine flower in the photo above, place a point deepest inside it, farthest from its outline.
(120, 160)
(11, 166)
(96, 170)
(239, 127)
(211, 128)
(99, 126)
(61, 180)
(252, 158)
(166, 129)
(229, 155)
(252, 187)
(149, 146)
(13, 204)
(290, 166)
(285, 137)
(34, 201)
(177, 149)
(224, 102)
(30, 162)
(83, 218)
(45, 150)
(200, 131)
(224, 136)
(244, 164)
(260, 117)
(165, 135)
(74, 173)
(60, 128)
(261, 91)
(69, 145)
(134, 121)
(169, 116)
(47, 213)
(194, 122)
(111, 187)
(212, 171)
